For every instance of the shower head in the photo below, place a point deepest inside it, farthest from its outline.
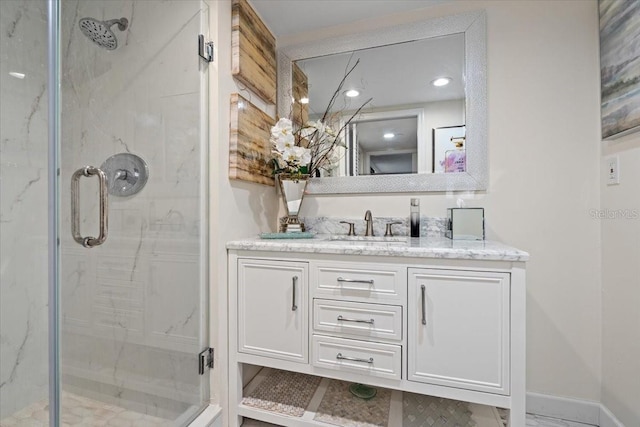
(100, 32)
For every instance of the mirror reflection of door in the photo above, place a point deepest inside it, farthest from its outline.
(383, 147)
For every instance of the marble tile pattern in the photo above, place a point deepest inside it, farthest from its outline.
(23, 204)
(439, 247)
(81, 411)
(429, 226)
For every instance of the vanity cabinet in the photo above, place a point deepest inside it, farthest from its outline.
(451, 328)
(458, 326)
(272, 309)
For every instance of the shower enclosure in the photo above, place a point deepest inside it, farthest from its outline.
(103, 221)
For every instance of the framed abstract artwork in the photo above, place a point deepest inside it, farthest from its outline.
(619, 67)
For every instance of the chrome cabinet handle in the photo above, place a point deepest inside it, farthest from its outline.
(345, 319)
(339, 356)
(89, 242)
(370, 282)
(294, 307)
(424, 306)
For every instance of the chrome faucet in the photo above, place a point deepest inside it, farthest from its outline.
(369, 223)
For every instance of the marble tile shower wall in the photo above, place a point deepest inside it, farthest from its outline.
(23, 204)
(131, 307)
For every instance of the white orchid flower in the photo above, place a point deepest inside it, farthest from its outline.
(283, 127)
(284, 142)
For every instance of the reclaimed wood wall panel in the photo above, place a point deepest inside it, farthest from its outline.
(249, 146)
(300, 88)
(253, 52)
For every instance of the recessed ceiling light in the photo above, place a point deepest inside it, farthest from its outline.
(304, 100)
(389, 135)
(16, 75)
(442, 81)
(352, 93)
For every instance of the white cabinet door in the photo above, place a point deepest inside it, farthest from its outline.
(272, 309)
(458, 329)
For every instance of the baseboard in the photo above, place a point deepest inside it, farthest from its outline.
(581, 411)
(568, 409)
(607, 419)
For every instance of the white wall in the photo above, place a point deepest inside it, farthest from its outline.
(543, 85)
(621, 282)
(238, 209)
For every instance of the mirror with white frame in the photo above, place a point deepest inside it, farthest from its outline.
(399, 103)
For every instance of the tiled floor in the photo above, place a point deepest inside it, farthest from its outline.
(80, 411)
(532, 421)
(538, 421)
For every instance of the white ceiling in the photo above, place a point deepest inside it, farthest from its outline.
(393, 75)
(287, 17)
(370, 134)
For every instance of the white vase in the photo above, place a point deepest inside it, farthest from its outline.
(292, 189)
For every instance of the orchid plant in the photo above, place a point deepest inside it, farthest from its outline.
(313, 146)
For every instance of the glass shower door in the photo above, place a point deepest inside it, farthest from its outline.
(133, 212)
(23, 211)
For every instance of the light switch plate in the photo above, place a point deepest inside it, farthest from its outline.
(613, 170)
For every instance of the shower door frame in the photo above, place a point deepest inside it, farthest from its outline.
(53, 206)
(53, 254)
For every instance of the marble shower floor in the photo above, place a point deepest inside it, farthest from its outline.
(81, 411)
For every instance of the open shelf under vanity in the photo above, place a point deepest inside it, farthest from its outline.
(388, 408)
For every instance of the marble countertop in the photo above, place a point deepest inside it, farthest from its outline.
(430, 247)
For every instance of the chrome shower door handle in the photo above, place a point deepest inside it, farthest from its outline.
(89, 242)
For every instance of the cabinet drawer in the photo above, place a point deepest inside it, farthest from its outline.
(361, 282)
(380, 360)
(358, 319)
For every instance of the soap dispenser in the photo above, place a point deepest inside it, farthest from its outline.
(414, 218)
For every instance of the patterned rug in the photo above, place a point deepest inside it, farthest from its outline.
(283, 392)
(340, 407)
(428, 411)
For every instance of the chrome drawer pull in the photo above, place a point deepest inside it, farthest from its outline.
(339, 356)
(294, 307)
(424, 307)
(369, 282)
(345, 319)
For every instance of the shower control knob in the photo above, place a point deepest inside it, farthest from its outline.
(126, 174)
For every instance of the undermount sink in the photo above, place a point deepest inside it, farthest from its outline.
(369, 239)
